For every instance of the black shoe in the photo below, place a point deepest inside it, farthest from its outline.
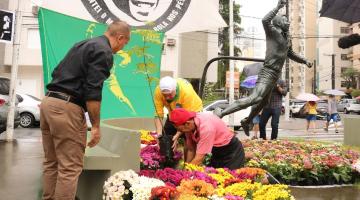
(245, 127)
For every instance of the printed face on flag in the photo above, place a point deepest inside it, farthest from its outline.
(161, 15)
(143, 10)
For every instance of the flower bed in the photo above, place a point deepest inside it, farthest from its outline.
(303, 163)
(194, 183)
(150, 152)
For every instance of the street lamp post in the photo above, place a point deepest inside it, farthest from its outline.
(14, 71)
(231, 53)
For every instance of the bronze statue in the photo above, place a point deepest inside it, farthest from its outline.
(278, 43)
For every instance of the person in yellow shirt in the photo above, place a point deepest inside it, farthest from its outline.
(173, 93)
(310, 109)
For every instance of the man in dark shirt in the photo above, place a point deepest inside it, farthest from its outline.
(76, 86)
(273, 110)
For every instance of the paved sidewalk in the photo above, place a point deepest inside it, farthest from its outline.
(295, 128)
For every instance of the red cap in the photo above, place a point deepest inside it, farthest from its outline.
(179, 116)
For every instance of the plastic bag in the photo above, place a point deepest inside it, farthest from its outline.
(165, 143)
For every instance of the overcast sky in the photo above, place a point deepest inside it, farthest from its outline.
(256, 9)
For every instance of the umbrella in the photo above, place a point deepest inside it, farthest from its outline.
(335, 92)
(307, 97)
(343, 10)
(249, 82)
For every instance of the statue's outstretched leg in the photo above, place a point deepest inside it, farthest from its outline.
(259, 93)
(255, 109)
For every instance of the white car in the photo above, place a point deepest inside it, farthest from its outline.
(238, 116)
(295, 106)
(349, 105)
(29, 110)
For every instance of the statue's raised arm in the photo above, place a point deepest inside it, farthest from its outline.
(266, 21)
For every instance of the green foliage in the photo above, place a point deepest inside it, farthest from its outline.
(223, 65)
(350, 75)
(209, 93)
(355, 93)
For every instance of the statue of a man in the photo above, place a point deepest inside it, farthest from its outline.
(278, 45)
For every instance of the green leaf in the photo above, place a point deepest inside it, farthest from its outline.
(337, 176)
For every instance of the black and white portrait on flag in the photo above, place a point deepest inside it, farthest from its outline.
(6, 26)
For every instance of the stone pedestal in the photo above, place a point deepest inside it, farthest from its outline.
(119, 149)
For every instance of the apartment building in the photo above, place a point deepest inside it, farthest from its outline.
(29, 78)
(355, 56)
(329, 33)
(184, 55)
(303, 29)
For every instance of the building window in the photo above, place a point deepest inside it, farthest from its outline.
(33, 39)
(343, 69)
(344, 30)
(344, 57)
(344, 84)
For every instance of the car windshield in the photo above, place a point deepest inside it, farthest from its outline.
(4, 86)
(35, 98)
(322, 104)
(219, 103)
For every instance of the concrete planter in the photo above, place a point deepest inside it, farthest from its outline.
(335, 192)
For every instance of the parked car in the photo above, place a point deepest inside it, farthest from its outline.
(238, 116)
(295, 106)
(29, 110)
(4, 105)
(349, 105)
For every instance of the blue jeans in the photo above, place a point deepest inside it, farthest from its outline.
(274, 113)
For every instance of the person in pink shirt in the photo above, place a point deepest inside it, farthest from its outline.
(206, 133)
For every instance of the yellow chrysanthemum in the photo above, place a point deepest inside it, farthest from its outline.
(191, 167)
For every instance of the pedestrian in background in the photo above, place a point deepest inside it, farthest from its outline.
(256, 121)
(332, 113)
(310, 110)
(76, 87)
(273, 110)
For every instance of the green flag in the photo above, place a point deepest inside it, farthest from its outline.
(135, 73)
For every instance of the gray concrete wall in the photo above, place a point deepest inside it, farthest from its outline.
(119, 149)
(197, 48)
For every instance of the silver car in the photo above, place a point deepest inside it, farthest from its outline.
(4, 105)
(349, 105)
(29, 110)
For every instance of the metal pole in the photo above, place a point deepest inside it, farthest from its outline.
(287, 77)
(207, 65)
(231, 53)
(314, 90)
(14, 71)
(332, 71)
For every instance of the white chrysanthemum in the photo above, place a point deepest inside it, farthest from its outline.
(114, 188)
(356, 166)
(142, 189)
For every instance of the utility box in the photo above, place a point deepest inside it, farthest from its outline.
(351, 130)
